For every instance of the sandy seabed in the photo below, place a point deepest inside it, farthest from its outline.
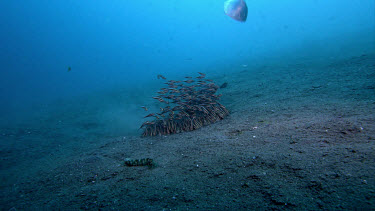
(299, 137)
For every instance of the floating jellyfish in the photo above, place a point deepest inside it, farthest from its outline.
(236, 9)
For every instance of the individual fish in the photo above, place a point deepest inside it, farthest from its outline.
(162, 77)
(171, 115)
(202, 75)
(150, 115)
(145, 108)
(174, 90)
(145, 123)
(224, 85)
(236, 9)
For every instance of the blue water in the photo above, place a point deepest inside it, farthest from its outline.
(75, 70)
(128, 43)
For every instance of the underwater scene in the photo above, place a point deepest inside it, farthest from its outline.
(187, 105)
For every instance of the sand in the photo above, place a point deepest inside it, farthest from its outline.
(298, 137)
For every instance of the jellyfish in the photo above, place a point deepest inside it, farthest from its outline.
(236, 9)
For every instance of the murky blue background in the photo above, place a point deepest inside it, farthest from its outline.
(126, 43)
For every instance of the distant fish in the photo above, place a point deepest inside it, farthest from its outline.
(150, 115)
(224, 85)
(202, 75)
(162, 77)
(69, 69)
(236, 9)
